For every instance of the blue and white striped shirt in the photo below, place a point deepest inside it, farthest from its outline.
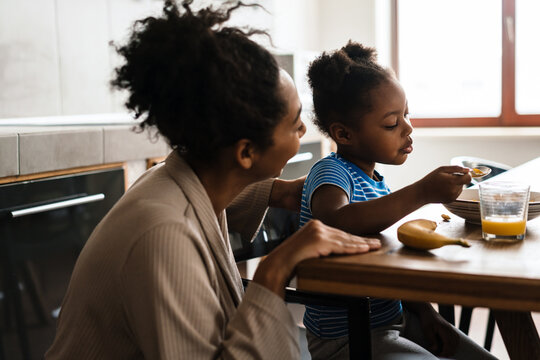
(325, 321)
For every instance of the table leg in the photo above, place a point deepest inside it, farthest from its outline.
(359, 329)
(519, 334)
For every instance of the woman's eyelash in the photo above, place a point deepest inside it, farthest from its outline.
(391, 126)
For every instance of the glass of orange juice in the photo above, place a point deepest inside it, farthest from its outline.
(503, 210)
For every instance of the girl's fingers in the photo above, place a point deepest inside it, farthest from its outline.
(454, 169)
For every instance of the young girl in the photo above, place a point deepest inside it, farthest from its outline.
(363, 108)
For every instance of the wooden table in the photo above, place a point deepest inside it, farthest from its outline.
(503, 277)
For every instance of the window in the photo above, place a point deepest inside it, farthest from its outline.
(469, 62)
(527, 57)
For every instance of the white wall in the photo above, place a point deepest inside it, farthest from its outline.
(322, 25)
(55, 57)
(295, 25)
(344, 20)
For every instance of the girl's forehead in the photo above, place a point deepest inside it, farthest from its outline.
(387, 89)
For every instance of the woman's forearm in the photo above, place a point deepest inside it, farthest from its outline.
(287, 194)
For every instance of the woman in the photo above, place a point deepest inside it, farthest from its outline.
(157, 278)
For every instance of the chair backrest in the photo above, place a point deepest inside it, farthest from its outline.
(277, 225)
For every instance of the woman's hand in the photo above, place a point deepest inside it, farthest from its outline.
(442, 337)
(444, 184)
(313, 240)
(287, 194)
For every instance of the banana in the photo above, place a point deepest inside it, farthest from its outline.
(420, 234)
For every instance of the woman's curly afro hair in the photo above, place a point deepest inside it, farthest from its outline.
(204, 85)
(341, 82)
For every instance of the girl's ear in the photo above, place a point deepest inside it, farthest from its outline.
(340, 133)
(244, 153)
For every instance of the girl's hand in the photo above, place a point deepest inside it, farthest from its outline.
(287, 194)
(313, 240)
(441, 336)
(444, 184)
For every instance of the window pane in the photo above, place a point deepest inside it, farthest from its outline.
(527, 57)
(450, 57)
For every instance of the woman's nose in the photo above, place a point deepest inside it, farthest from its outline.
(303, 129)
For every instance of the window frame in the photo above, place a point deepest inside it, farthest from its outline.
(508, 116)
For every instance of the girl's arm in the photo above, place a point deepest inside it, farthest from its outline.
(330, 204)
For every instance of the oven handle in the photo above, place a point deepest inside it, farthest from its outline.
(57, 205)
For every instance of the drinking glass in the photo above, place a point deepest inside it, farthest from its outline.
(503, 210)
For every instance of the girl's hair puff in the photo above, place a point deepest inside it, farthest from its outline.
(341, 82)
(202, 84)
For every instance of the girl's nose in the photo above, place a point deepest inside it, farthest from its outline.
(408, 128)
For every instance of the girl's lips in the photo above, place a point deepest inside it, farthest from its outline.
(407, 149)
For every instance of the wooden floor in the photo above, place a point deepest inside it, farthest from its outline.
(478, 331)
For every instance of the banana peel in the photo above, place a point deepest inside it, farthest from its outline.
(420, 234)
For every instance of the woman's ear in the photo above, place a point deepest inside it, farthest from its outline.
(244, 153)
(340, 133)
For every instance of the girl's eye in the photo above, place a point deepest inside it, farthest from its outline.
(390, 127)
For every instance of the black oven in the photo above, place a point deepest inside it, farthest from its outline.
(44, 224)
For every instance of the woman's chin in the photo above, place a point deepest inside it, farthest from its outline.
(278, 174)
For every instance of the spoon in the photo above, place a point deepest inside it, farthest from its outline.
(479, 171)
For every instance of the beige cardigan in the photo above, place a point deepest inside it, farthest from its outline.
(157, 280)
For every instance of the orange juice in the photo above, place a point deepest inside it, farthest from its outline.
(504, 226)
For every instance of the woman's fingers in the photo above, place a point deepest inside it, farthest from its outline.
(332, 240)
(373, 243)
(313, 240)
(349, 240)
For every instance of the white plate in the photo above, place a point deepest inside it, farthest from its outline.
(467, 206)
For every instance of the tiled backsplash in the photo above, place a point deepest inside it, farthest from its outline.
(28, 150)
